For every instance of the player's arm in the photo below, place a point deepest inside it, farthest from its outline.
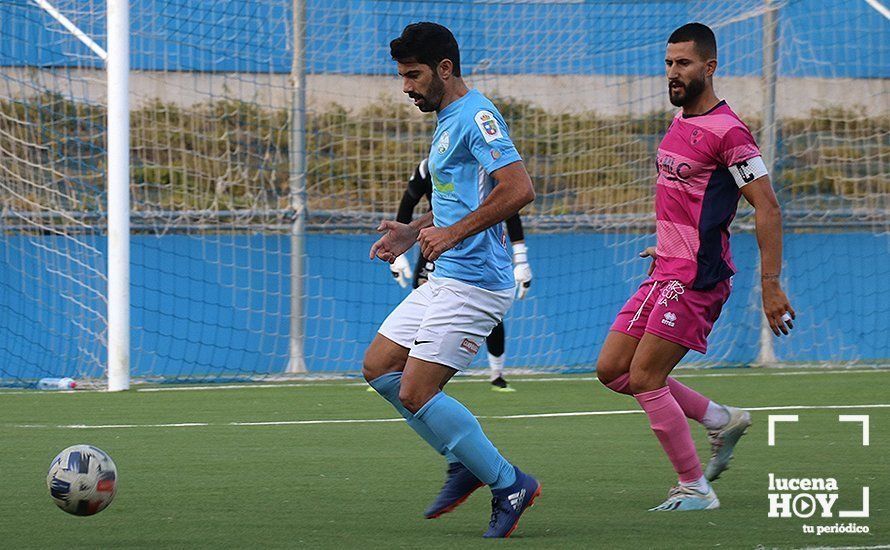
(514, 229)
(768, 228)
(406, 208)
(522, 272)
(513, 191)
(418, 186)
(398, 238)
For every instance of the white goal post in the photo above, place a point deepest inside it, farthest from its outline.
(117, 66)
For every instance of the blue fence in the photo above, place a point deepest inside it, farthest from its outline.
(830, 38)
(211, 306)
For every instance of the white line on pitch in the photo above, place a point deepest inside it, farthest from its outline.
(562, 378)
(606, 413)
(112, 426)
(381, 420)
(768, 372)
(259, 385)
(473, 378)
(302, 422)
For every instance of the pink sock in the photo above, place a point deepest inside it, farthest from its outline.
(620, 384)
(694, 404)
(669, 424)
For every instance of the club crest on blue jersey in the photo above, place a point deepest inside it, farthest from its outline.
(489, 126)
(443, 143)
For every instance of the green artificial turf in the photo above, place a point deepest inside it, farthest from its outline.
(366, 484)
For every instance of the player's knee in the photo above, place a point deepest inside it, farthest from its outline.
(415, 398)
(641, 381)
(605, 372)
(369, 373)
(372, 371)
(373, 367)
(608, 369)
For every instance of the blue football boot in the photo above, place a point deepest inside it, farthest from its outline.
(507, 505)
(459, 485)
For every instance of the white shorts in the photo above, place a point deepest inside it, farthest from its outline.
(445, 321)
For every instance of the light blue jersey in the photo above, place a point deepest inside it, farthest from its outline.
(470, 143)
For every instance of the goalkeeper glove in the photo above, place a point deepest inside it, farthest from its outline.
(401, 271)
(522, 272)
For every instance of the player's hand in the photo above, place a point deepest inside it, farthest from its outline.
(434, 241)
(522, 272)
(778, 311)
(523, 275)
(401, 271)
(397, 239)
(650, 253)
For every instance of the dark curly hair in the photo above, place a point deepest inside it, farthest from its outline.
(427, 43)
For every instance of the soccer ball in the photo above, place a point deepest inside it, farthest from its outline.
(82, 480)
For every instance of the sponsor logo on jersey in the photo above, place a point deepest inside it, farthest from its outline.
(669, 319)
(668, 167)
(444, 142)
(488, 125)
(440, 185)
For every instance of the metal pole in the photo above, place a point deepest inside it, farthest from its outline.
(766, 354)
(297, 160)
(118, 147)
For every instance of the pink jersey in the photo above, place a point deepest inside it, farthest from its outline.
(696, 196)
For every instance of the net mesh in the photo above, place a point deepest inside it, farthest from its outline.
(581, 87)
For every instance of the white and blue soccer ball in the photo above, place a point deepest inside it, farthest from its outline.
(82, 480)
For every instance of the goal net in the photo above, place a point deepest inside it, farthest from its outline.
(215, 177)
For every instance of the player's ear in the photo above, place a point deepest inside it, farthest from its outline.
(710, 67)
(445, 69)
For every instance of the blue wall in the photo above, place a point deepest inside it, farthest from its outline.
(828, 38)
(213, 306)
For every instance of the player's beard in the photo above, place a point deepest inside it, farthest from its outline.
(431, 100)
(687, 93)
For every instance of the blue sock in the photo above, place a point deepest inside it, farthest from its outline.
(463, 436)
(388, 386)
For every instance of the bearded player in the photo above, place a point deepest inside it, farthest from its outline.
(706, 161)
(479, 181)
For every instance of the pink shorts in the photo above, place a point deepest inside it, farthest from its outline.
(671, 311)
